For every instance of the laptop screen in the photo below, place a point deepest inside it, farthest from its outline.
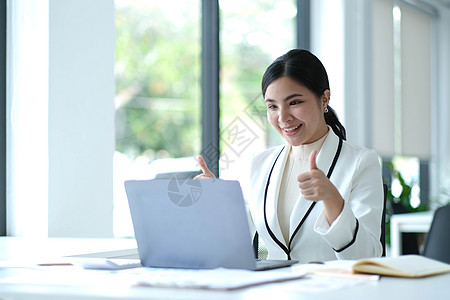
(184, 223)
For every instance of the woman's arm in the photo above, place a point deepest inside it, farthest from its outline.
(356, 231)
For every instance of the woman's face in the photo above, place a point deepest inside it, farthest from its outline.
(295, 111)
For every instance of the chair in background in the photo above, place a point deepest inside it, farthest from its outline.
(178, 175)
(437, 243)
(166, 168)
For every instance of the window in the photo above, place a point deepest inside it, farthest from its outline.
(158, 92)
(69, 118)
(157, 79)
(158, 85)
(253, 34)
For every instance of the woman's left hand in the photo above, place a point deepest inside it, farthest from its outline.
(316, 186)
(206, 173)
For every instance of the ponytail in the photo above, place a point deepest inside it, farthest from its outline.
(333, 121)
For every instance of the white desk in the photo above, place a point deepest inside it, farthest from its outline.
(14, 247)
(412, 222)
(435, 287)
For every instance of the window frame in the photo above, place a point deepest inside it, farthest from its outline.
(211, 68)
(3, 119)
(210, 84)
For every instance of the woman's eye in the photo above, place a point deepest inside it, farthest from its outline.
(295, 102)
(271, 107)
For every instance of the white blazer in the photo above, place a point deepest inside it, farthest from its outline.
(354, 234)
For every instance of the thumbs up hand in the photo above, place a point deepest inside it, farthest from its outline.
(206, 173)
(316, 186)
(313, 184)
(312, 161)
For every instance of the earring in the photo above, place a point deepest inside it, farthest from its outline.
(326, 110)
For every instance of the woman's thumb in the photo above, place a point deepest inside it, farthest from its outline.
(312, 160)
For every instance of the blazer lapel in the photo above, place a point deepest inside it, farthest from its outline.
(326, 154)
(273, 192)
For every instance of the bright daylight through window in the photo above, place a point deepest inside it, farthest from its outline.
(158, 85)
(158, 92)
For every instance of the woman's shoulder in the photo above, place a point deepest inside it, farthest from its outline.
(359, 150)
(350, 149)
(359, 156)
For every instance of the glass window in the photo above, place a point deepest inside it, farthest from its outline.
(253, 33)
(158, 92)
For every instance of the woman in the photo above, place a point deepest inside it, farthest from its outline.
(318, 197)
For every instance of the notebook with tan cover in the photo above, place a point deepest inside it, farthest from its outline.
(401, 266)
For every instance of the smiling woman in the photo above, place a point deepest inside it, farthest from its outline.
(327, 193)
(291, 108)
(299, 75)
(318, 197)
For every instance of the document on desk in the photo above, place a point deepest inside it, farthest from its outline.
(216, 279)
(341, 269)
(88, 271)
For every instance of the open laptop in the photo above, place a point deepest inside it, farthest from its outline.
(196, 224)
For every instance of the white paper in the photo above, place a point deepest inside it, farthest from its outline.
(222, 279)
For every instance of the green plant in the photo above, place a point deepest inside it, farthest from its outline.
(404, 199)
(401, 203)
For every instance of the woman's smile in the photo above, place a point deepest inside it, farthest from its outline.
(291, 131)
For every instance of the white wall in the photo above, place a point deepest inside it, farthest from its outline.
(81, 117)
(357, 79)
(27, 118)
(61, 120)
(327, 30)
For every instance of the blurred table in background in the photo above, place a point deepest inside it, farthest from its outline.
(418, 222)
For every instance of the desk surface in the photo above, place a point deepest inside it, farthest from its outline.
(111, 287)
(15, 247)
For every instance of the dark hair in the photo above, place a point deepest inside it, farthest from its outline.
(304, 67)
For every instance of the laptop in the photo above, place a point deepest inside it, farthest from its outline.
(195, 224)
